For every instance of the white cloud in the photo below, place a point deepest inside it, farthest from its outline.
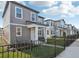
(65, 9)
(53, 11)
(2, 4)
(44, 3)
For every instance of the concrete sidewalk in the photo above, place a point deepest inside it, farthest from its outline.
(52, 45)
(70, 52)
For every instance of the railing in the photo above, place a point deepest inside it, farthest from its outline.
(37, 49)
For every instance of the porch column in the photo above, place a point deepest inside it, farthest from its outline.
(45, 34)
(36, 35)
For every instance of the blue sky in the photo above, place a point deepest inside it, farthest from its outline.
(67, 10)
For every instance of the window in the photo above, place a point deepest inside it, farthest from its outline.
(18, 12)
(18, 31)
(40, 31)
(33, 17)
(48, 23)
(51, 24)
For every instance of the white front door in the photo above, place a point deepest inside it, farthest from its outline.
(32, 34)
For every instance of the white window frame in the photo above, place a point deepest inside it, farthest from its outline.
(31, 17)
(21, 12)
(40, 30)
(20, 31)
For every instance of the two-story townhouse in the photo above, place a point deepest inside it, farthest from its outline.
(49, 28)
(70, 29)
(66, 30)
(55, 28)
(60, 26)
(75, 30)
(21, 23)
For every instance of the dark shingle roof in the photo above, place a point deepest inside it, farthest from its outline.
(7, 3)
(41, 17)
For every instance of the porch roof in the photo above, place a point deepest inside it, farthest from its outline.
(35, 24)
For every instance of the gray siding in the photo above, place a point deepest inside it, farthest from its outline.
(26, 15)
(19, 39)
(10, 30)
(6, 19)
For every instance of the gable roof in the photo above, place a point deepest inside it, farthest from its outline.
(7, 3)
(41, 17)
(55, 20)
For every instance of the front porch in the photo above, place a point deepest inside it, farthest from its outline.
(36, 35)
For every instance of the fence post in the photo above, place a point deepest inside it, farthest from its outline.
(64, 35)
(2, 51)
(55, 45)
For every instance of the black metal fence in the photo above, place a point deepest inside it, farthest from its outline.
(70, 39)
(37, 49)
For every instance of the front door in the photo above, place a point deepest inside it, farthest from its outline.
(32, 34)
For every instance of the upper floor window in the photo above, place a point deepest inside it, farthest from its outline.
(47, 23)
(18, 12)
(33, 17)
(18, 31)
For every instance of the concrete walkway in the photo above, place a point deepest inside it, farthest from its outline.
(52, 45)
(71, 52)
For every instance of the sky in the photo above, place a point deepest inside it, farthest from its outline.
(55, 10)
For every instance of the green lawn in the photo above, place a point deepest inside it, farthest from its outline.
(38, 51)
(44, 51)
(59, 41)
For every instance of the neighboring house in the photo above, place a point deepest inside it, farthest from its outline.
(1, 31)
(22, 24)
(75, 30)
(49, 29)
(66, 29)
(70, 30)
(60, 27)
(56, 27)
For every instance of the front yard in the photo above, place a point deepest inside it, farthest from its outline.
(59, 41)
(44, 51)
(39, 51)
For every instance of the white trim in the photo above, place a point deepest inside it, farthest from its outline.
(20, 31)
(21, 12)
(30, 25)
(9, 35)
(18, 24)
